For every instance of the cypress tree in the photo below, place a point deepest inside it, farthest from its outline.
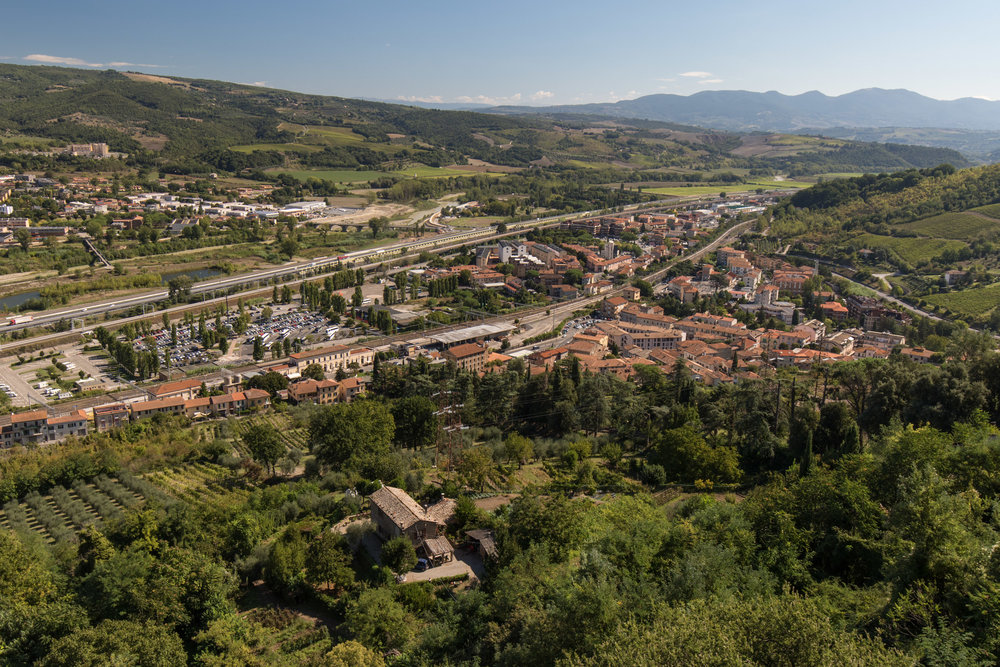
(806, 462)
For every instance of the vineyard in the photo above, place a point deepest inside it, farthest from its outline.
(295, 439)
(61, 514)
(199, 483)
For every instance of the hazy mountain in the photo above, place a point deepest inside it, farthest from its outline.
(443, 106)
(188, 125)
(773, 111)
(861, 111)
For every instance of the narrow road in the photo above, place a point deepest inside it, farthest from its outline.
(891, 299)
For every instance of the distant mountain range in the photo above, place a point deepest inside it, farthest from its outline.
(968, 124)
(443, 106)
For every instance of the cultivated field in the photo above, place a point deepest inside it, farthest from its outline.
(974, 301)
(961, 226)
(60, 515)
(351, 176)
(992, 210)
(911, 250)
(683, 191)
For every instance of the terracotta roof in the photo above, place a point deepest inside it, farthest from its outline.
(465, 350)
(70, 418)
(442, 511)
(171, 387)
(309, 354)
(397, 504)
(146, 406)
(110, 409)
(31, 416)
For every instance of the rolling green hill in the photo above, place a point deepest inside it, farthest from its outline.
(191, 126)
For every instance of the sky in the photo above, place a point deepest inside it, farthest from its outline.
(528, 53)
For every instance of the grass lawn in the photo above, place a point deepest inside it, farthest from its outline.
(473, 223)
(423, 171)
(911, 250)
(974, 301)
(960, 226)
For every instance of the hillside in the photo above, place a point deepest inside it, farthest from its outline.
(188, 126)
(957, 124)
(931, 234)
(742, 110)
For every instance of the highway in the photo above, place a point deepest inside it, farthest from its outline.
(354, 259)
(313, 268)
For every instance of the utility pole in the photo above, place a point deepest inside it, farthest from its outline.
(450, 426)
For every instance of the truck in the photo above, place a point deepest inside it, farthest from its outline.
(21, 319)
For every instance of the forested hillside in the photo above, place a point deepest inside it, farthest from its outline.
(187, 126)
(843, 515)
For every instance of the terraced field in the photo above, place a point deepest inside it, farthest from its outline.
(294, 438)
(199, 483)
(59, 516)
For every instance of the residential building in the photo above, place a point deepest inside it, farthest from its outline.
(469, 357)
(183, 389)
(396, 514)
(332, 358)
(107, 417)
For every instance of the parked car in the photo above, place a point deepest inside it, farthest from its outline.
(422, 564)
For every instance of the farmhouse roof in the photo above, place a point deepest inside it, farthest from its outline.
(397, 504)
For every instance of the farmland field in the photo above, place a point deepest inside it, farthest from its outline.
(912, 250)
(58, 516)
(352, 176)
(975, 301)
(961, 226)
(839, 174)
(199, 483)
(770, 183)
(992, 210)
(335, 175)
(684, 191)
(292, 147)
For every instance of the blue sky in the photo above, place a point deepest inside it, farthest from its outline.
(519, 52)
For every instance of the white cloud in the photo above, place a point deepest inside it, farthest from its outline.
(59, 60)
(77, 62)
(696, 74)
(486, 99)
(665, 79)
(430, 99)
(705, 81)
(542, 95)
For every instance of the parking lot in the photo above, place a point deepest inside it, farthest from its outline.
(20, 383)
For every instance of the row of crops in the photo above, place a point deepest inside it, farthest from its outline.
(60, 515)
(295, 439)
(199, 483)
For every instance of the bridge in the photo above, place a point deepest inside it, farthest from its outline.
(97, 253)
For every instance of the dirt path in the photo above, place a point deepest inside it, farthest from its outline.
(981, 215)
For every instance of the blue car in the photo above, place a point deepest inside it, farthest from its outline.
(422, 564)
